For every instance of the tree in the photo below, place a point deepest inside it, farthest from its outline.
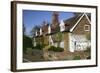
(24, 29)
(27, 41)
(59, 38)
(34, 29)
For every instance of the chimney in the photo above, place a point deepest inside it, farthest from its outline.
(55, 18)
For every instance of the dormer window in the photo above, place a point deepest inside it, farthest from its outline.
(86, 28)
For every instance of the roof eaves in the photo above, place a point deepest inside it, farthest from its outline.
(87, 18)
(76, 23)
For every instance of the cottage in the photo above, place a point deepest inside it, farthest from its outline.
(75, 32)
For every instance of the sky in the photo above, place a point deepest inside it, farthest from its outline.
(32, 18)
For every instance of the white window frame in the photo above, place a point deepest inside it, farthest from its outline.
(86, 26)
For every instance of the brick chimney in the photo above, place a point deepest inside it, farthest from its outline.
(55, 18)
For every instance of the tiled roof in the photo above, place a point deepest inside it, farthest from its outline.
(69, 23)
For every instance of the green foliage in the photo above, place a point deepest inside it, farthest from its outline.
(34, 29)
(39, 40)
(77, 58)
(29, 51)
(56, 49)
(24, 29)
(27, 43)
(38, 46)
(59, 49)
(51, 48)
(59, 38)
(57, 28)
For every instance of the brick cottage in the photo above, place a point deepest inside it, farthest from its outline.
(75, 32)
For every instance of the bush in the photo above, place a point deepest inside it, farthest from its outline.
(38, 46)
(55, 49)
(29, 51)
(77, 58)
(59, 49)
(27, 43)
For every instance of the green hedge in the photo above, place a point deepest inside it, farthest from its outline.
(55, 49)
(27, 43)
(29, 51)
(38, 46)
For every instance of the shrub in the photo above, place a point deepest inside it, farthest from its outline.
(27, 43)
(38, 46)
(77, 58)
(29, 51)
(59, 49)
(55, 49)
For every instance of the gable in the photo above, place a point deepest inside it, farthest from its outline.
(69, 23)
(79, 28)
(83, 17)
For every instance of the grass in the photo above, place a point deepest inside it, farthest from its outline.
(77, 58)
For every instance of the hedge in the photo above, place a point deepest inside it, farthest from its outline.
(55, 49)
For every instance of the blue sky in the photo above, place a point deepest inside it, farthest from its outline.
(32, 18)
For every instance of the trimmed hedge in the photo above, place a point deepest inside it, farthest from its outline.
(55, 49)
(38, 46)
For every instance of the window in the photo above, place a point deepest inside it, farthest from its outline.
(86, 28)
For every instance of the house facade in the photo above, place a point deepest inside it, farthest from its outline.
(73, 34)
